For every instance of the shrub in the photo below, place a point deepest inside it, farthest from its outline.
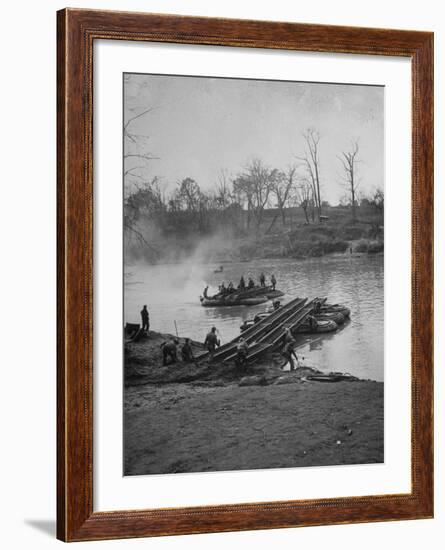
(362, 246)
(353, 232)
(335, 246)
(316, 251)
(375, 247)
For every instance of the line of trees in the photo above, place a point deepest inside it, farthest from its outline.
(237, 201)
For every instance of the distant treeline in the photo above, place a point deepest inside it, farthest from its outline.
(260, 200)
(257, 201)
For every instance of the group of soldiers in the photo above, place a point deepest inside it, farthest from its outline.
(170, 351)
(212, 342)
(288, 351)
(223, 289)
(170, 347)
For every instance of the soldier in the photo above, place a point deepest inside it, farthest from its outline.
(287, 337)
(251, 283)
(211, 342)
(169, 351)
(145, 319)
(262, 280)
(242, 349)
(273, 281)
(288, 349)
(312, 322)
(242, 283)
(187, 352)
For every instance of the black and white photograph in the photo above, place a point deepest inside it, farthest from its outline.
(253, 274)
(222, 229)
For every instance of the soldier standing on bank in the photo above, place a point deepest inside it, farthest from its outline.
(211, 342)
(145, 319)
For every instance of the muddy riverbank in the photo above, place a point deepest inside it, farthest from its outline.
(199, 417)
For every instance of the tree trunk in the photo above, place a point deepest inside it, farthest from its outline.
(354, 215)
(318, 197)
(272, 223)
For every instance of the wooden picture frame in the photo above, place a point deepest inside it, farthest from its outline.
(77, 31)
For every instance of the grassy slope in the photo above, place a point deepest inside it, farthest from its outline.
(294, 239)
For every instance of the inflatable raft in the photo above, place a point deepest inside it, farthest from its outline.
(233, 301)
(249, 297)
(321, 326)
(337, 317)
(336, 308)
(331, 377)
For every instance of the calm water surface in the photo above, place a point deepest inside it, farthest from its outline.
(172, 294)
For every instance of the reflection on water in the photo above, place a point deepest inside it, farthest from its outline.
(172, 294)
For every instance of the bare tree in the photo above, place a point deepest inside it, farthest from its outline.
(311, 163)
(303, 197)
(145, 203)
(194, 202)
(137, 156)
(141, 192)
(188, 194)
(223, 192)
(255, 184)
(349, 160)
(227, 200)
(243, 190)
(378, 200)
(282, 187)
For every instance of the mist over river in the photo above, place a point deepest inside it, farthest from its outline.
(171, 292)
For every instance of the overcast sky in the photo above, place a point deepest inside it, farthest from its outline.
(202, 125)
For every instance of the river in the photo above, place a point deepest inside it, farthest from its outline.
(171, 292)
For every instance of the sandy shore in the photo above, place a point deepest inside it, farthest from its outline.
(197, 418)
